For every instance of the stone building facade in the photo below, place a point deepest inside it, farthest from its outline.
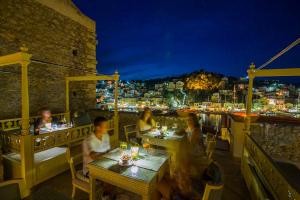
(63, 43)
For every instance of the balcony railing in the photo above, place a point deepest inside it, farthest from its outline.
(268, 171)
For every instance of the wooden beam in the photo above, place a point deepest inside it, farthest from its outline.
(93, 78)
(67, 102)
(276, 72)
(16, 58)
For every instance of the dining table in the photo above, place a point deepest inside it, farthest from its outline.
(139, 176)
(169, 140)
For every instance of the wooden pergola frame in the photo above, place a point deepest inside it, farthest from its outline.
(253, 73)
(23, 58)
(114, 77)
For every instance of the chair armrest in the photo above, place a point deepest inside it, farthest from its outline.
(209, 188)
(20, 182)
(214, 186)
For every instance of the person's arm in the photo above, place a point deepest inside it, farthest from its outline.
(96, 155)
(87, 150)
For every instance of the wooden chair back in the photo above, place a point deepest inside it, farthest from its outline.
(211, 145)
(78, 180)
(213, 190)
(71, 163)
(129, 131)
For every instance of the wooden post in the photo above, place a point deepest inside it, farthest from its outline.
(116, 114)
(26, 151)
(68, 102)
(251, 76)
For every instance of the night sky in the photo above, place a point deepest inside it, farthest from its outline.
(157, 38)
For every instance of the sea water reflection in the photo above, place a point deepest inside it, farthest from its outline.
(215, 121)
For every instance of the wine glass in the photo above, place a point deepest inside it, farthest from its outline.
(157, 125)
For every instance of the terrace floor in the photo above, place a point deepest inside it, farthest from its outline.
(235, 187)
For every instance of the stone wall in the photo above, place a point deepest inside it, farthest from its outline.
(281, 142)
(67, 41)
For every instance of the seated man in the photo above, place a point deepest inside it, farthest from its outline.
(96, 144)
(43, 122)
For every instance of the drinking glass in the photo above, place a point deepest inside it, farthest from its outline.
(146, 144)
(134, 152)
(174, 127)
(123, 147)
(164, 128)
(157, 125)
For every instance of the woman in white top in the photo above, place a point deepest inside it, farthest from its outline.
(146, 121)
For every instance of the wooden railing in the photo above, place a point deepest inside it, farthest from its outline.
(58, 138)
(10, 124)
(269, 172)
(11, 141)
(49, 140)
(15, 124)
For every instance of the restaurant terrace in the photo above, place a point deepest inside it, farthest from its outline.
(248, 157)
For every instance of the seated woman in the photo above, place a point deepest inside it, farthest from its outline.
(183, 185)
(194, 135)
(145, 122)
(44, 121)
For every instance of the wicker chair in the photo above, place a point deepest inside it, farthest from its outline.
(214, 188)
(78, 179)
(130, 130)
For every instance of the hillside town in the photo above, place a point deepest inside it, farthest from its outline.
(202, 93)
(106, 100)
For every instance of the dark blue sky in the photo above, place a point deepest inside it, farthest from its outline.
(145, 39)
